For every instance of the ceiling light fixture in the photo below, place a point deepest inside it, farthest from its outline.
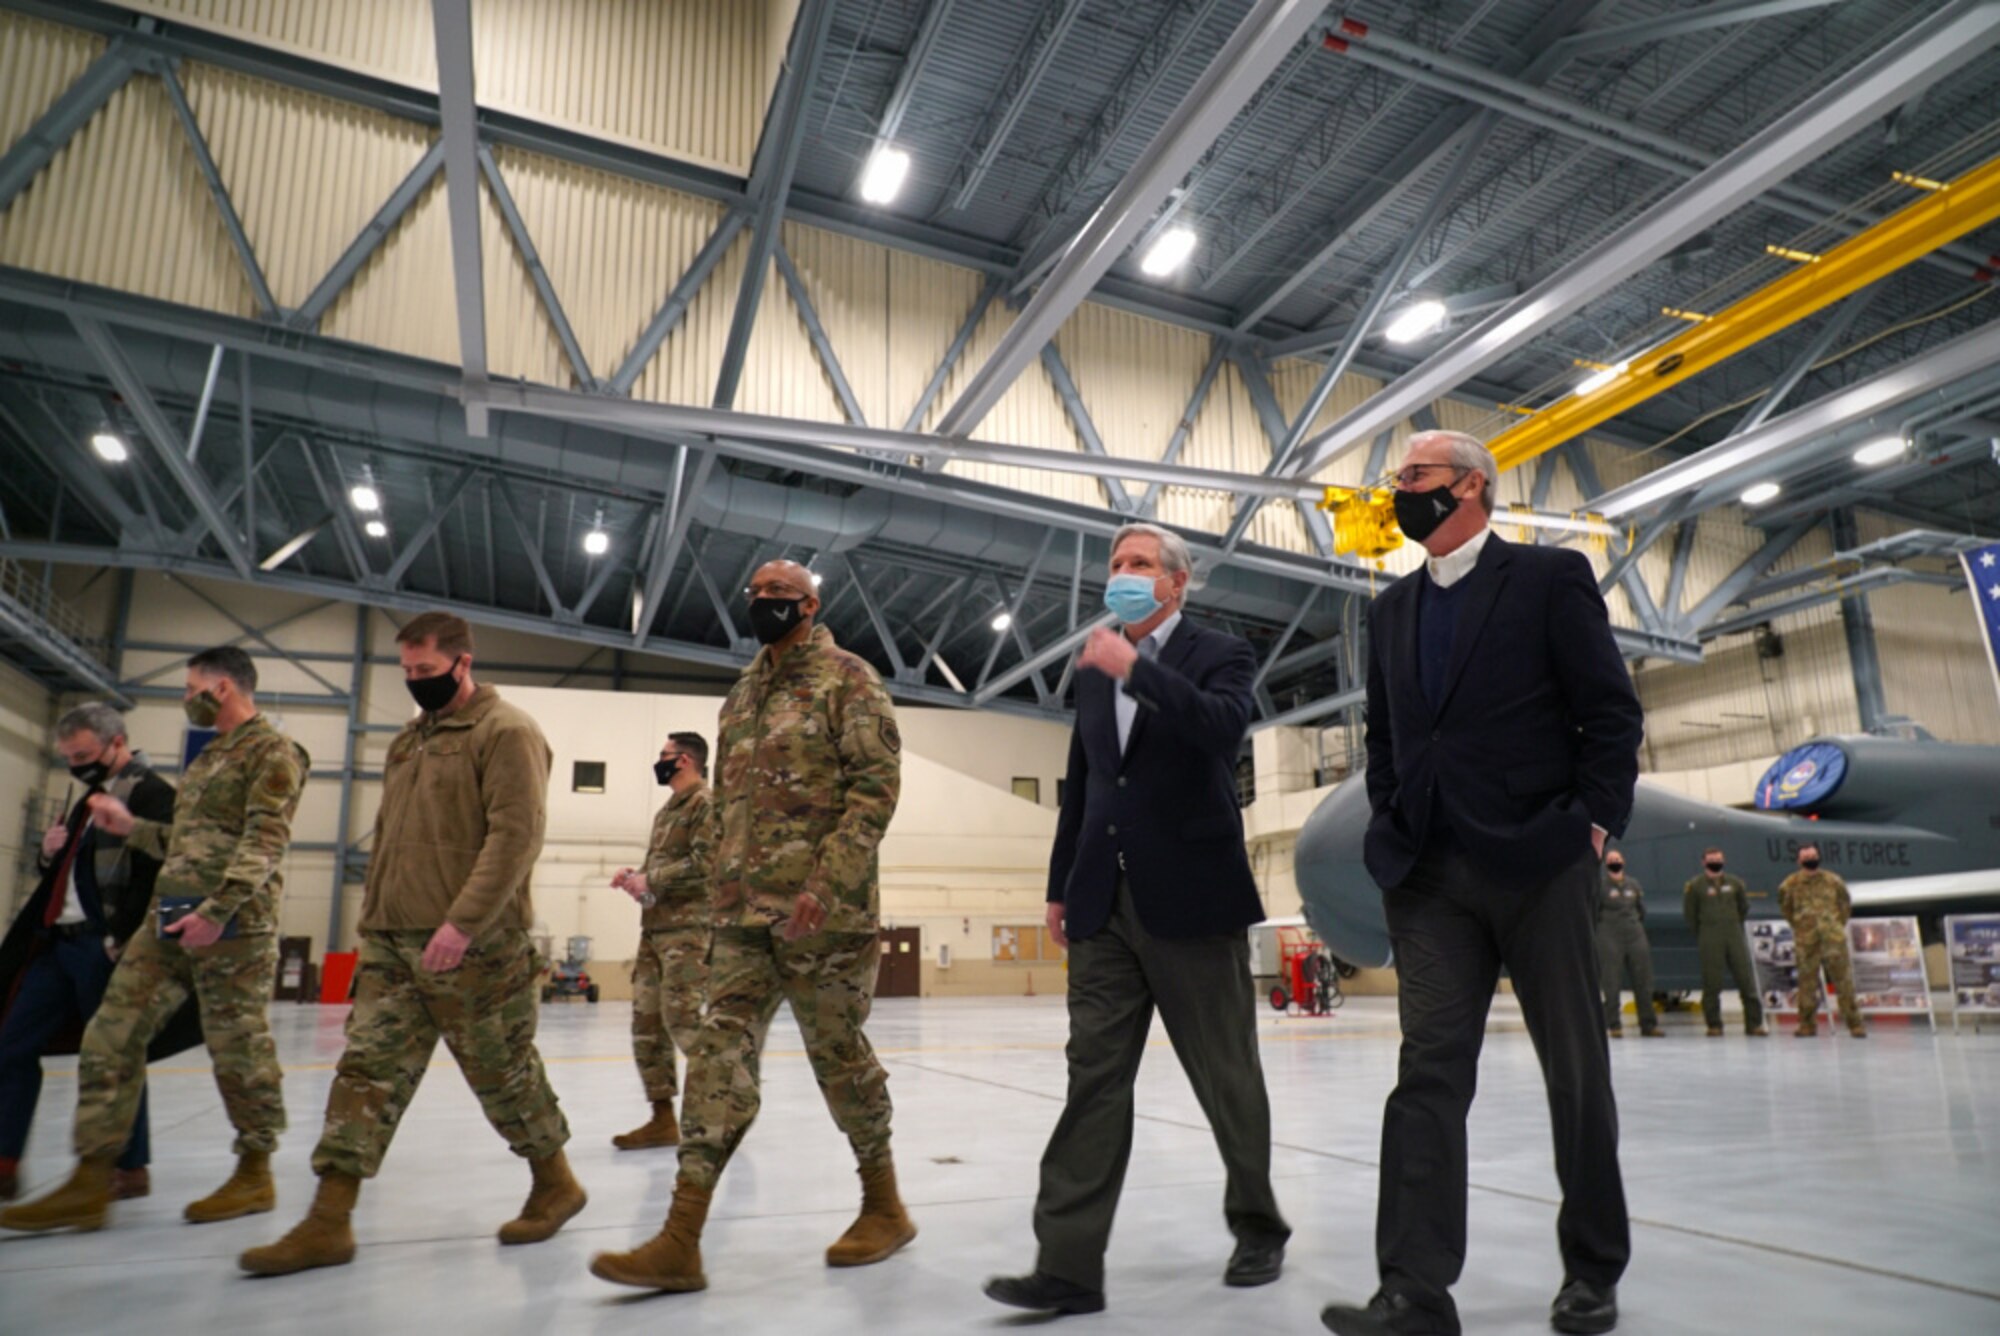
(817, 578)
(1762, 492)
(1168, 253)
(1601, 377)
(365, 497)
(1880, 451)
(1001, 622)
(1414, 321)
(597, 542)
(375, 529)
(110, 448)
(882, 179)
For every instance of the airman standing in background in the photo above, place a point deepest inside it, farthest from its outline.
(670, 977)
(1716, 905)
(223, 855)
(1816, 903)
(809, 768)
(1622, 947)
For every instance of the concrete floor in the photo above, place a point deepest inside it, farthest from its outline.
(1777, 1185)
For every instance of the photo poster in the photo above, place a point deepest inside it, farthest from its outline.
(1886, 954)
(1972, 944)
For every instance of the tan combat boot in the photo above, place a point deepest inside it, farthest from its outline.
(82, 1203)
(662, 1130)
(248, 1191)
(555, 1197)
(324, 1238)
(671, 1259)
(883, 1225)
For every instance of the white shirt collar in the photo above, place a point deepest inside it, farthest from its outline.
(1456, 564)
(1162, 633)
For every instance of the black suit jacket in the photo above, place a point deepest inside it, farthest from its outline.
(1169, 802)
(121, 914)
(1536, 737)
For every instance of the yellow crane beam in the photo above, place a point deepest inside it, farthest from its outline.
(1945, 213)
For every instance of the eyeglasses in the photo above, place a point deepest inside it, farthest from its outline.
(1411, 474)
(773, 590)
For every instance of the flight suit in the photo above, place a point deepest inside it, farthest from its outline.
(226, 844)
(1716, 908)
(1622, 947)
(1817, 905)
(809, 768)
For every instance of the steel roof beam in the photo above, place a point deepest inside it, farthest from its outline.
(966, 329)
(373, 233)
(1018, 83)
(161, 435)
(1217, 350)
(921, 48)
(459, 137)
(232, 222)
(1680, 24)
(1732, 585)
(40, 142)
(678, 299)
(771, 183)
(1086, 430)
(439, 509)
(1846, 588)
(1550, 111)
(1257, 46)
(531, 259)
(1928, 52)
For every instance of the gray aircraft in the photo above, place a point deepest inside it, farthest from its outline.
(1912, 825)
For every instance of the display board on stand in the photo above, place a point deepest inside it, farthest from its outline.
(1972, 946)
(1887, 956)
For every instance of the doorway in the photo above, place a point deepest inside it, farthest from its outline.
(901, 971)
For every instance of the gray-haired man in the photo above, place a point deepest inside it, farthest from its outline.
(1150, 888)
(57, 958)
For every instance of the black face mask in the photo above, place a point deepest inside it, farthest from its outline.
(92, 773)
(1715, 866)
(433, 693)
(1809, 863)
(663, 770)
(1419, 514)
(1614, 868)
(772, 619)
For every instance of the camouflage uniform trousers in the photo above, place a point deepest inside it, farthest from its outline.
(231, 982)
(829, 978)
(669, 980)
(1822, 943)
(486, 1010)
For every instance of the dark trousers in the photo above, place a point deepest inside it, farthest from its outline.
(1453, 928)
(1723, 948)
(61, 987)
(1201, 987)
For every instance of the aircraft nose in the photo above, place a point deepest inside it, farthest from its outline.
(1341, 900)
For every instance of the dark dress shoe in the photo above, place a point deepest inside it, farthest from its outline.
(1387, 1314)
(1584, 1307)
(1254, 1263)
(1044, 1293)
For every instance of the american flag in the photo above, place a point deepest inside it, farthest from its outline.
(1982, 574)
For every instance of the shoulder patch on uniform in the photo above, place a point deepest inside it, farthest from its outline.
(892, 737)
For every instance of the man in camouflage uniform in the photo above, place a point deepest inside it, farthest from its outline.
(224, 852)
(1622, 947)
(670, 977)
(444, 950)
(808, 775)
(1716, 904)
(1816, 903)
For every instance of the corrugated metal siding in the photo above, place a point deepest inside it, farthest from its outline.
(613, 248)
(390, 38)
(689, 78)
(849, 284)
(124, 205)
(306, 173)
(1134, 376)
(37, 62)
(928, 302)
(1934, 668)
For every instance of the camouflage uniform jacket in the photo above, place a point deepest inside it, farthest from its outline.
(679, 862)
(232, 823)
(1723, 911)
(1817, 894)
(810, 768)
(464, 802)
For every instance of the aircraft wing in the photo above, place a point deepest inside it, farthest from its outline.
(1933, 892)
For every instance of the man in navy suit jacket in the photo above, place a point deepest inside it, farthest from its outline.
(1150, 888)
(1503, 741)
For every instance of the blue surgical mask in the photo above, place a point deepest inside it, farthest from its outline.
(1130, 598)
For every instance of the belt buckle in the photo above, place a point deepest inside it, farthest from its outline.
(1121, 860)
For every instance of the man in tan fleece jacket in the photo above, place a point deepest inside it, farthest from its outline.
(444, 949)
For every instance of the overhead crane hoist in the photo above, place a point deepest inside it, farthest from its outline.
(1363, 518)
